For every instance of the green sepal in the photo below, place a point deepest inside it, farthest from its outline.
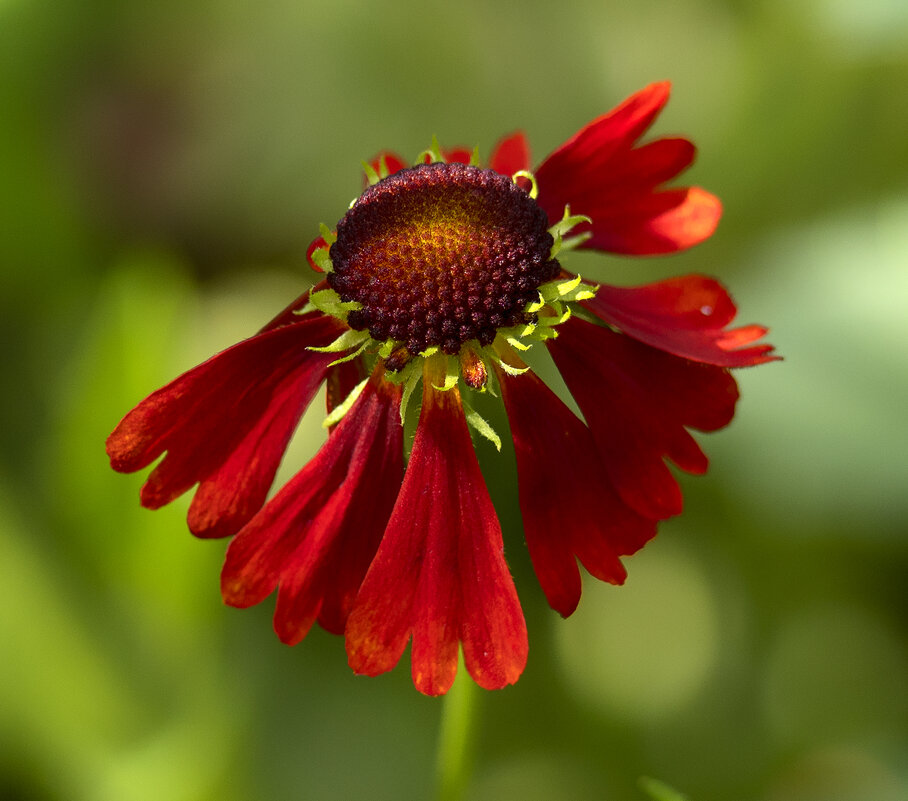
(371, 175)
(547, 333)
(516, 343)
(557, 289)
(474, 157)
(433, 152)
(518, 331)
(534, 187)
(383, 171)
(563, 226)
(349, 339)
(452, 375)
(510, 369)
(558, 319)
(328, 302)
(574, 242)
(327, 234)
(352, 355)
(387, 347)
(481, 425)
(409, 376)
(536, 305)
(322, 256)
(568, 291)
(322, 259)
(338, 412)
(430, 351)
(492, 386)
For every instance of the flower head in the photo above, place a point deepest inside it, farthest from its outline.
(448, 274)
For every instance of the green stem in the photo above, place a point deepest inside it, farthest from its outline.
(455, 740)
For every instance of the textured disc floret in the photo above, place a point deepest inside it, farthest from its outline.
(439, 254)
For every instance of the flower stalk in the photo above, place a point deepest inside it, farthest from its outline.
(457, 741)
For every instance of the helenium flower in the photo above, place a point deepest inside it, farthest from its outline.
(447, 274)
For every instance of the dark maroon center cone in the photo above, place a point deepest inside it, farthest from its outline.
(440, 254)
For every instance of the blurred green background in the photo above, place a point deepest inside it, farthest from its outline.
(163, 167)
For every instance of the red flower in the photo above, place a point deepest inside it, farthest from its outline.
(442, 273)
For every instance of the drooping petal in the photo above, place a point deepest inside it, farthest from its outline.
(600, 174)
(241, 403)
(439, 575)
(511, 154)
(686, 316)
(229, 496)
(639, 402)
(316, 537)
(568, 505)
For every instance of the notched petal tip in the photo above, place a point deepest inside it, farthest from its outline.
(686, 316)
(439, 577)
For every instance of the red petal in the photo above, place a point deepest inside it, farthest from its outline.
(511, 155)
(638, 402)
(317, 536)
(246, 398)
(227, 498)
(393, 162)
(636, 173)
(440, 574)
(649, 224)
(459, 154)
(685, 316)
(600, 174)
(568, 505)
(597, 142)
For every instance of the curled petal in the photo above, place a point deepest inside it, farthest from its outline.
(317, 536)
(568, 505)
(511, 154)
(600, 174)
(212, 420)
(440, 574)
(685, 316)
(639, 403)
